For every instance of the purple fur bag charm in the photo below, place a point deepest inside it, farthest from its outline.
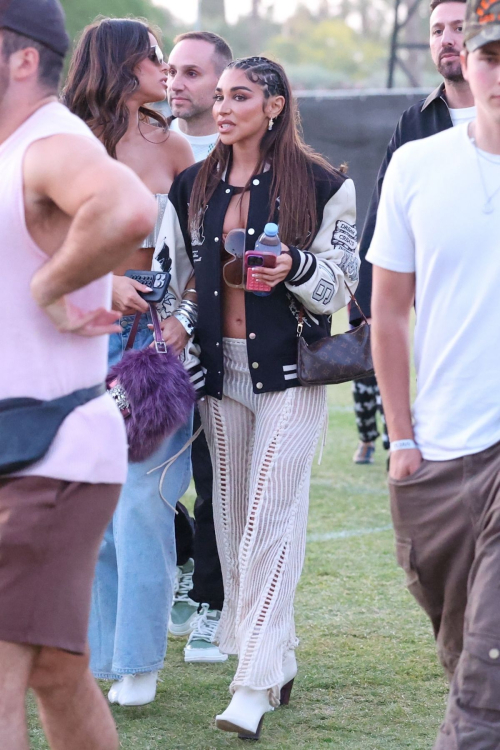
(152, 390)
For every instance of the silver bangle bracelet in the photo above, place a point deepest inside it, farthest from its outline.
(190, 310)
(188, 291)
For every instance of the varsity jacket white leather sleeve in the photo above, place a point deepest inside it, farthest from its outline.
(171, 246)
(318, 274)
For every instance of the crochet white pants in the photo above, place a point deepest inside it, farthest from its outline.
(262, 447)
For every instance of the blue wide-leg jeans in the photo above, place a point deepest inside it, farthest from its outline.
(134, 581)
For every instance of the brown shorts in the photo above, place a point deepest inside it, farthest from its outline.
(50, 534)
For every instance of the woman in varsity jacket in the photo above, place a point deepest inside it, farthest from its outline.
(261, 425)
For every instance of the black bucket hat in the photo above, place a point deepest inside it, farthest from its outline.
(41, 20)
(482, 23)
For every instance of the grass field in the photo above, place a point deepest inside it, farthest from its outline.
(368, 675)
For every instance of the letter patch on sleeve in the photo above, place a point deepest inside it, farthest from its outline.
(345, 236)
(324, 291)
(349, 265)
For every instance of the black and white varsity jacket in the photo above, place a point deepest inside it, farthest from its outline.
(316, 279)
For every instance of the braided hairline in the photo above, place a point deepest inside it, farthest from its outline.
(264, 72)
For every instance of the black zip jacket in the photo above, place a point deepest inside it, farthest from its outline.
(316, 279)
(428, 117)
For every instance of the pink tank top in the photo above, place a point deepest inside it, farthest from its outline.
(37, 360)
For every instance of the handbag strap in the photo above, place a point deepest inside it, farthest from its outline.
(353, 299)
(133, 332)
(160, 345)
(300, 324)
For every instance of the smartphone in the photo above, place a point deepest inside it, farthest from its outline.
(159, 282)
(254, 260)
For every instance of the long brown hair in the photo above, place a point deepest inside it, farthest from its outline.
(101, 77)
(291, 159)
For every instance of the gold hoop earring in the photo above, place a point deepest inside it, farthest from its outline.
(271, 123)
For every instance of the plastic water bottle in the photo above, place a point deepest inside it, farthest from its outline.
(267, 246)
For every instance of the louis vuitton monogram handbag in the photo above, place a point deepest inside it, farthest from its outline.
(335, 359)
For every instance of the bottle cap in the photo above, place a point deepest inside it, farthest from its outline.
(271, 230)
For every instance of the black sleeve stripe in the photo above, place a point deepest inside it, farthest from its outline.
(308, 269)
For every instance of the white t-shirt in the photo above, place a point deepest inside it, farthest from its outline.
(202, 145)
(431, 221)
(463, 115)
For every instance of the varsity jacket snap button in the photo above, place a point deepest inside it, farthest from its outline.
(228, 190)
(251, 335)
(216, 294)
(251, 231)
(259, 386)
(256, 182)
(216, 239)
(255, 365)
(217, 343)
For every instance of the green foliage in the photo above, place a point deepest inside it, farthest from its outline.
(326, 54)
(79, 14)
(319, 51)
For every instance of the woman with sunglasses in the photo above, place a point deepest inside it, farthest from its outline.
(116, 70)
(262, 426)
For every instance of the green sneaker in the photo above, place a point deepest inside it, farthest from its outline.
(200, 645)
(184, 611)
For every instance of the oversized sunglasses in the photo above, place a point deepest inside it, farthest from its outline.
(156, 55)
(233, 271)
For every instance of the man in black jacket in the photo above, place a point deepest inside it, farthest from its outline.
(450, 104)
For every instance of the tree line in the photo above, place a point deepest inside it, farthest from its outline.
(343, 45)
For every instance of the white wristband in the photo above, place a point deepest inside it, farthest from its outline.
(403, 445)
(185, 322)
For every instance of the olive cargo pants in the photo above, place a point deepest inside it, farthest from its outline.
(447, 524)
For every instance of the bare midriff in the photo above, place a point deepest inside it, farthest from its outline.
(140, 260)
(233, 300)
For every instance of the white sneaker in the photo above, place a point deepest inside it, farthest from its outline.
(200, 645)
(138, 689)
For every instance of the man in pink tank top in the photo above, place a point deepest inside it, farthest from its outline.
(68, 215)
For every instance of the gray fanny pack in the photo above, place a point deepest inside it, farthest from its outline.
(28, 426)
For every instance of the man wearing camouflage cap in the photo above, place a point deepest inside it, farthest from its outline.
(437, 241)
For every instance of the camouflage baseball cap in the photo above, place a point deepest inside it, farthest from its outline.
(482, 23)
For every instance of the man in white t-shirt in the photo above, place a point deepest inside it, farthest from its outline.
(450, 104)
(195, 65)
(437, 241)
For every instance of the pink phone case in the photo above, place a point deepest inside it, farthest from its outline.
(252, 285)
